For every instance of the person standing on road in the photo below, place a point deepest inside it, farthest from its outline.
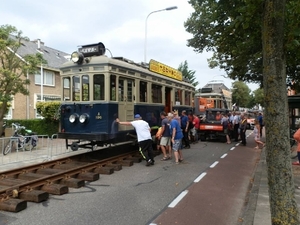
(236, 125)
(184, 126)
(261, 123)
(243, 128)
(177, 136)
(257, 135)
(165, 140)
(143, 132)
(225, 123)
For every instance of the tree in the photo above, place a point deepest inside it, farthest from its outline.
(280, 178)
(259, 96)
(232, 30)
(13, 67)
(188, 74)
(262, 52)
(240, 94)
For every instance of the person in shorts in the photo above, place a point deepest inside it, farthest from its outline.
(165, 140)
(176, 138)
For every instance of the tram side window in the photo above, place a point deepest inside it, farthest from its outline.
(178, 96)
(99, 87)
(66, 89)
(121, 90)
(76, 88)
(129, 90)
(143, 91)
(187, 98)
(156, 93)
(85, 88)
(113, 93)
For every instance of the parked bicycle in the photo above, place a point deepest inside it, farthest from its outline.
(21, 142)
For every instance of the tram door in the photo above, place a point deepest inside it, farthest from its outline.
(168, 106)
(125, 98)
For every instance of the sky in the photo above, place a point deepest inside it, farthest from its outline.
(121, 25)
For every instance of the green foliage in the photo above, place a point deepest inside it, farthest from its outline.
(41, 127)
(188, 74)
(240, 94)
(13, 68)
(48, 110)
(259, 96)
(233, 31)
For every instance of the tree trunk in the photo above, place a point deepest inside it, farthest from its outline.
(280, 177)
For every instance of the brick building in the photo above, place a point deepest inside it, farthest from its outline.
(24, 107)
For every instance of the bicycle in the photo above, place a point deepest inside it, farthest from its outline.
(19, 141)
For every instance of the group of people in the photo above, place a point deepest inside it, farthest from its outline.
(235, 126)
(175, 131)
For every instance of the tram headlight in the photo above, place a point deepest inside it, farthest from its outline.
(73, 118)
(77, 57)
(83, 118)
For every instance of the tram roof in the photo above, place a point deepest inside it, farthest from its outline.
(122, 63)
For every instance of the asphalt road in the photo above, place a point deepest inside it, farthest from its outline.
(134, 195)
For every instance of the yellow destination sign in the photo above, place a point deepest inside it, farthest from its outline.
(165, 70)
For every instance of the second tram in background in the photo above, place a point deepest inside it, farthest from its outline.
(97, 89)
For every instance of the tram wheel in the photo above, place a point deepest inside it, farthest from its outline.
(74, 146)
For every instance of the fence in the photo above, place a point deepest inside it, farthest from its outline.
(47, 148)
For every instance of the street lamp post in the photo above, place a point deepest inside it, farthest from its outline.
(145, 44)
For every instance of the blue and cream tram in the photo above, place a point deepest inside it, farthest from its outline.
(97, 89)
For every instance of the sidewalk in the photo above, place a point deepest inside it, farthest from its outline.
(259, 197)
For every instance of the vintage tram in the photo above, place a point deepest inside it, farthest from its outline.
(97, 89)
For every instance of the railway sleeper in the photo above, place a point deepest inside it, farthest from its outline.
(135, 159)
(30, 176)
(55, 189)
(116, 166)
(34, 195)
(88, 176)
(13, 205)
(48, 171)
(72, 182)
(67, 166)
(126, 162)
(11, 182)
(104, 170)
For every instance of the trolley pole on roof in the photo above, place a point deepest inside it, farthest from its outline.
(145, 44)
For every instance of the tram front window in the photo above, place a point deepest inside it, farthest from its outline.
(99, 87)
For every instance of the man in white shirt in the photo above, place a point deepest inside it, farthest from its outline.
(143, 132)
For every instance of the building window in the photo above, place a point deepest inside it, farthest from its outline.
(8, 115)
(48, 78)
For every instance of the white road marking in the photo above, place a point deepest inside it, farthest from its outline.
(178, 199)
(223, 156)
(214, 164)
(199, 177)
(232, 148)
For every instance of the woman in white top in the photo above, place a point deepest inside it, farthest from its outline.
(257, 134)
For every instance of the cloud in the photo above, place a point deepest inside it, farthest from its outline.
(120, 25)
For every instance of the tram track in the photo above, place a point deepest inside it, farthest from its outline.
(36, 182)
